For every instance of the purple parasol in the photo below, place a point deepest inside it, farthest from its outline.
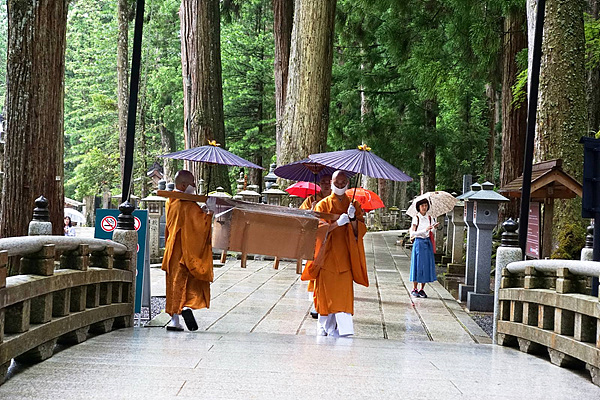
(211, 154)
(361, 161)
(306, 170)
(303, 170)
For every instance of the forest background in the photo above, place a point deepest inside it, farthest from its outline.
(435, 88)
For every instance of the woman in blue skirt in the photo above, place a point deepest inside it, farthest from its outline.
(422, 262)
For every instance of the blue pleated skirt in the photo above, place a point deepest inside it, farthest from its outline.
(422, 262)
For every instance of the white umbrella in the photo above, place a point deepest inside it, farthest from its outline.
(75, 215)
(440, 202)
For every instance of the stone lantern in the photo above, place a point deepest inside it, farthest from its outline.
(270, 178)
(219, 192)
(471, 252)
(485, 218)
(295, 201)
(273, 195)
(250, 194)
(156, 210)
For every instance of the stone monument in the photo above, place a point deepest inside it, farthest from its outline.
(485, 218)
(471, 251)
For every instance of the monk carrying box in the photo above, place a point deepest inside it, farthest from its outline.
(188, 258)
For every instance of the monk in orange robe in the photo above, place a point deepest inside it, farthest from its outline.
(312, 200)
(340, 261)
(309, 203)
(188, 261)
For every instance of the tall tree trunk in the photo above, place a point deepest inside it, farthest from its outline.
(202, 81)
(514, 119)
(428, 154)
(306, 119)
(283, 17)
(493, 119)
(123, 11)
(593, 83)
(167, 141)
(562, 112)
(34, 113)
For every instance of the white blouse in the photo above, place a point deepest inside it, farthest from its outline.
(422, 222)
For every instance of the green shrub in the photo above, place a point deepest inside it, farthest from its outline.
(571, 240)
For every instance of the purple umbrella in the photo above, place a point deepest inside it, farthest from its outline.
(211, 154)
(305, 170)
(361, 161)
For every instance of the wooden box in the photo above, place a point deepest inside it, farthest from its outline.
(252, 228)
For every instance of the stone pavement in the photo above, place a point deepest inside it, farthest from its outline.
(258, 341)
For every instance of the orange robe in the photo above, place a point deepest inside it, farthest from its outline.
(307, 205)
(188, 258)
(340, 263)
(308, 202)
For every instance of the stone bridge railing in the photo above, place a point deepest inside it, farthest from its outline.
(89, 290)
(546, 305)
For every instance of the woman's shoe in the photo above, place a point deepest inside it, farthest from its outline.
(422, 293)
(415, 293)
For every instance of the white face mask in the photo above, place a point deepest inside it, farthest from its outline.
(338, 191)
(190, 190)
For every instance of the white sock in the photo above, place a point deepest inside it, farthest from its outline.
(174, 320)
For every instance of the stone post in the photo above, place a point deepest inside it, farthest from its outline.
(449, 240)
(106, 198)
(485, 217)
(509, 251)
(127, 236)
(458, 237)
(587, 253)
(40, 224)
(439, 236)
(471, 249)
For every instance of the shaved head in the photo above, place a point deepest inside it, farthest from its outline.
(339, 181)
(183, 179)
(338, 172)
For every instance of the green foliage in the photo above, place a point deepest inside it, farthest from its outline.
(247, 49)
(519, 89)
(571, 240)
(391, 58)
(592, 41)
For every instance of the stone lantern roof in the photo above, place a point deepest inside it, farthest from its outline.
(487, 194)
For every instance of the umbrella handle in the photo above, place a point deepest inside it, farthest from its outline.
(355, 186)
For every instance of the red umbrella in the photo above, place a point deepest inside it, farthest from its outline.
(303, 189)
(368, 200)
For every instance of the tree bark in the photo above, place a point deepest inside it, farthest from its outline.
(562, 111)
(493, 119)
(202, 82)
(593, 84)
(123, 11)
(306, 119)
(428, 154)
(34, 113)
(283, 18)
(167, 141)
(514, 119)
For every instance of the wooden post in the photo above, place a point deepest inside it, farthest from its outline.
(547, 228)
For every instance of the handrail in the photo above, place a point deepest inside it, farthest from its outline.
(91, 289)
(583, 268)
(23, 245)
(545, 306)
